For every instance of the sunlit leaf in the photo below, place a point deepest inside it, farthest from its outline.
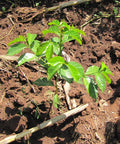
(92, 70)
(56, 101)
(15, 49)
(105, 69)
(64, 24)
(78, 30)
(91, 87)
(55, 39)
(67, 38)
(56, 47)
(106, 77)
(56, 60)
(19, 39)
(42, 48)
(31, 38)
(53, 29)
(49, 51)
(35, 45)
(74, 72)
(25, 58)
(100, 81)
(74, 35)
(54, 22)
(52, 70)
(78, 67)
(65, 74)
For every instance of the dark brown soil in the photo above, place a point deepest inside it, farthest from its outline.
(100, 122)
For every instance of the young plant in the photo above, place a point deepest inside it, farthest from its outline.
(49, 54)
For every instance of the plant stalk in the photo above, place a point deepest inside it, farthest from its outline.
(60, 42)
(56, 85)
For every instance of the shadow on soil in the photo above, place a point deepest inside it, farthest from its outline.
(112, 132)
(117, 91)
(55, 132)
(17, 122)
(60, 133)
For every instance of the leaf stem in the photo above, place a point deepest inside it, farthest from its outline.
(56, 85)
(60, 42)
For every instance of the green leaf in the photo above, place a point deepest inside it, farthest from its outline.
(49, 51)
(78, 30)
(34, 46)
(100, 13)
(37, 113)
(55, 39)
(56, 47)
(43, 63)
(65, 74)
(26, 58)
(115, 11)
(42, 48)
(56, 101)
(92, 70)
(52, 29)
(43, 82)
(30, 38)
(65, 71)
(21, 111)
(77, 71)
(91, 87)
(56, 60)
(80, 80)
(100, 81)
(54, 22)
(105, 69)
(64, 25)
(106, 77)
(67, 38)
(52, 70)
(78, 67)
(15, 49)
(74, 72)
(74, 35)
(19, 39)
(3, 9)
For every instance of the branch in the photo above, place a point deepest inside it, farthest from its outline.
(45, 124)
(30, 14)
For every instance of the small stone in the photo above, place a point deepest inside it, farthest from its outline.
(102, 103)
(83, 113)
(73, 102)
(97, 136)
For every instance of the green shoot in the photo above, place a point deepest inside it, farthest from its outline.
(49, 55)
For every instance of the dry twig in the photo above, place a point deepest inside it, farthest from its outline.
(30, 14)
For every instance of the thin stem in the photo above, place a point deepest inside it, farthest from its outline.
(56, 85)
(60, 43)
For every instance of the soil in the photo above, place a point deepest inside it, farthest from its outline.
(23, 105)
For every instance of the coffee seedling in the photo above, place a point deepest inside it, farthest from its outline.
(49, 54)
